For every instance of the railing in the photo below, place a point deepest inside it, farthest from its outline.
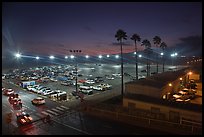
(143, 118)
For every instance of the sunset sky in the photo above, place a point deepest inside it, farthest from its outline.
(55, 28)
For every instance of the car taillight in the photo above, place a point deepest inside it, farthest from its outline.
(23, 120)
(30, 118)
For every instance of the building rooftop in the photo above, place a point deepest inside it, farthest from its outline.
(161, 79)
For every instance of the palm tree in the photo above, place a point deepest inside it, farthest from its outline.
(147, 45)
(136, 38)
(157, 41)
(163, 46)
(121, 35)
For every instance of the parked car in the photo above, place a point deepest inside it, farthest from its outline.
(99, 88)
(38, 101)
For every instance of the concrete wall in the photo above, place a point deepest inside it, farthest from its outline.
(196, 116)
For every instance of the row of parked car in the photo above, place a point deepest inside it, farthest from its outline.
(44, 90)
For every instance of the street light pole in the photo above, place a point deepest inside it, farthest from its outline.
(76, 51)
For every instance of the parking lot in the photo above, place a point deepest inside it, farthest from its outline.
(90, 75)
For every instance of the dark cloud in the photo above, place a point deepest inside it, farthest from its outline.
(189, 46)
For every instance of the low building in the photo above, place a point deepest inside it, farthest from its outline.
(158, 86)
(151, 94)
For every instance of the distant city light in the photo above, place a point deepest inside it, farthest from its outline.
(140, 56)
(100, 56)
(52, 57)
(87, 56)
(37, 58)
(66, 57)
(135, 53)
(175, 54)
(72, 56)
(116, 56)
(108, 56)
(170, 85)
(162, 53)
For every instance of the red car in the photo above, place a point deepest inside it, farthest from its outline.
(17, 103)
(12, 97)
(8, 91)
(24, 118)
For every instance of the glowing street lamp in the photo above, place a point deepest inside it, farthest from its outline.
(116, 56)
(87, 56)
(18, 55)
(66, 57)
(100, 56)
(140, 56)
(108, 56)
(51, 57)
(161, 53)
(37, 58)
(72, 56)
(135, 53)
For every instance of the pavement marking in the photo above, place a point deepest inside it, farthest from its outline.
(52, 112)
(60, 108)
(64, 107)
(59, 111)
(45, 113)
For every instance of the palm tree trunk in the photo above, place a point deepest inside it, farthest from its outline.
(121, 68)
(157, 65)
(136, 65)
(163, 66)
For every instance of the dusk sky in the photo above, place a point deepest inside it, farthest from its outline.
(55, 28)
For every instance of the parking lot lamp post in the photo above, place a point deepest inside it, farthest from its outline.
(162, 55)
(171, 90)
(188, 79)
(100, 57)
(52, 58)
(76, 52)
(175, 54)
(18, 56)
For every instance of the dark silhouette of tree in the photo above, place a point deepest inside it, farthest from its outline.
(146, 43)
(163, 46)
(120, 36)
(157, 41)
(136, 38)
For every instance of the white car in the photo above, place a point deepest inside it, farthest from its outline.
(46, 91)
(98, 87)
(107, 86)
(38, 101)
